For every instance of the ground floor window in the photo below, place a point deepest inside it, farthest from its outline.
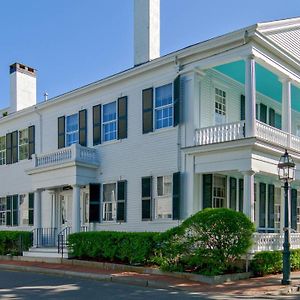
(163, 199)
(219, 191)
(3, 211)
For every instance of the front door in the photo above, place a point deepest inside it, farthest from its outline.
(65, 210)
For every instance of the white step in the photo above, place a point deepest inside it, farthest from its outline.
(45, 252)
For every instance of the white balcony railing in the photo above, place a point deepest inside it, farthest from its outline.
(75, 153)
(273, 241)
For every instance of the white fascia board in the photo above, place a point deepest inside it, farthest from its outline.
(274, 26)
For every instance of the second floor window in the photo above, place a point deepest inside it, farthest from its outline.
(109, 122)
(163, 106)
(220, 106)
(72, 130)
(2, 150)
(23, 144)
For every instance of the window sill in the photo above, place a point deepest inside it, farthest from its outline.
(161, 130)
(112, 142)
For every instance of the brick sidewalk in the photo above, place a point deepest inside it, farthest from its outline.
(269, 285)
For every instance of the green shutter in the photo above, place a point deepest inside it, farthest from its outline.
(14, 143)
(241, 195)
(31, 141)
(278, 121)
(122, 118)
(294, 209)
(97, 124)
(15, 209)
(94, 211)
(263, 113)
(207, 190)
(232, 192)
(243, 107)
(271, 207)
(30, 208)
(147, 98)
(177, 99)
(8, 210)
(61, 139)
(146, 198)
(8, 148)
(83, 127)
(121, 201)
(271, 117)
(262, 205)
(176, 195)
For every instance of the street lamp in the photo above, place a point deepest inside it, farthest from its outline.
(286, 173)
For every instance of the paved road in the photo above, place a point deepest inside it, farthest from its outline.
(25, 285)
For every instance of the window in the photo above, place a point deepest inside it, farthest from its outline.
(109, 122)
(109, 202)
(23, 144)
(23, 210)
(12, 210)
(163, 201)
(219, 191)
(277, 208)
(163, 106)
(220, 106)
(72, 130)
(3, 211)
(2, 150)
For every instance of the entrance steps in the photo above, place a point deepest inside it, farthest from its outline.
(47, 252)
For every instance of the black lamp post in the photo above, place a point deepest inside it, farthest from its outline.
(286, 173)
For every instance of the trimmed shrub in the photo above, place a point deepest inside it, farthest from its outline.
(127, 247)
(14, 242)
(208, 242)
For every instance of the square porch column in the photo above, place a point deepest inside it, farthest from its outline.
(286, 108)
(250, 97)
(248, 205)
(76, 209)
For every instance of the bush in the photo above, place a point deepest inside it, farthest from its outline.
(270, 262)
(208, 242)
(14, 242)
(127, 247)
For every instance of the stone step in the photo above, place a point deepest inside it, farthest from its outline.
(50, 252)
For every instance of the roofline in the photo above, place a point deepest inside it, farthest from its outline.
(272, 26)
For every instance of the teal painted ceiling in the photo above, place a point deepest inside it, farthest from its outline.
(267, 82)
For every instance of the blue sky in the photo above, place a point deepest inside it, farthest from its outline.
(75, 42)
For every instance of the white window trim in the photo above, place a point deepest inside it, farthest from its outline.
(224, 89)
(105, 123)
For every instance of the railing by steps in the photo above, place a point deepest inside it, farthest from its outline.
(75, 152)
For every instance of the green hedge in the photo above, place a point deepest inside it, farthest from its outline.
(127, 247)
(14, 242)
(270, 262)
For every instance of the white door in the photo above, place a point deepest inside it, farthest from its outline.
(65, 210)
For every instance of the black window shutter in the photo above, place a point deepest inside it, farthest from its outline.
(232, 198)
(177, 98)
(207, 190)
(271, 205)
(121, 201)
(14, 143)
(294, 209)
(262, 205)
(271, 117)
(31, 141)
(176, 195)
(8, 210)
(83, 127)
(241, 195)
(147, 96)
(263, 113)
(97, 124)
(146, 198)
(243, 107)
(8, 148)
(61, 132)
(30, 208)
(122, 118)
(94, 213)
(15, 210)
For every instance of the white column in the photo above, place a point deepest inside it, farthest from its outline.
(286, 108)
(190, 190)
(250, 97)
(248, 204)
(37, 212)
(76, 209)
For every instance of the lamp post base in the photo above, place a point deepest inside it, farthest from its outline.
(286, 282)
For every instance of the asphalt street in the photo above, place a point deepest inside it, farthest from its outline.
(27, 285)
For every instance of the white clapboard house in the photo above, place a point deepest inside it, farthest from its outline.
(145, 148)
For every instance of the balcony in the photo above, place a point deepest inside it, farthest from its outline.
(235, 131)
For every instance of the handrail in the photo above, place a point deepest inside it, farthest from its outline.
(62, 240)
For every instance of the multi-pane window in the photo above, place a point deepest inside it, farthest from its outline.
(23, 144)
(2, 150)
(109, 202)
(219, 191)
(220, 106)
(23, 209)
(163, 201)
(109, 122)
(3, 211)
(72, 136)
(277, 208)
(164, 106)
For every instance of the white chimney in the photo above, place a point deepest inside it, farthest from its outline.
(22, 87)
(146, 30)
